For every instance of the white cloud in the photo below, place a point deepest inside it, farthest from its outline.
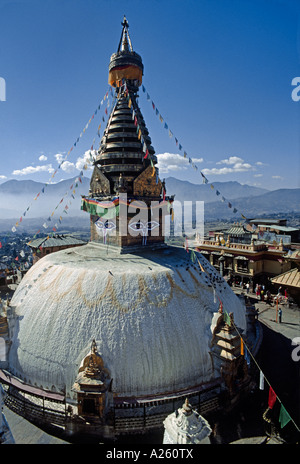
(70, 167)
(168, 162)
(43, 158)
(33, 170)
(65, 166)
(234, 164)
(277, 177)
(258, 175)
(59, 157)
(2, 177)
(259, 163)
(86, 159)
(231, 160)
(217, 171)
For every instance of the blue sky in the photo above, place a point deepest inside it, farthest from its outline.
(219, 71)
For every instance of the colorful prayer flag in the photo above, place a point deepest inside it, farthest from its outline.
(272, 398)
(284, 416)
(227, 318)
(193, 256)
(261, 380)
(186, 245)
(247, 356)
(242, 347)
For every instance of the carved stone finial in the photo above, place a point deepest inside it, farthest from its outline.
(187, 408)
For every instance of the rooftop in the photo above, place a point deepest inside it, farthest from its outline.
(281, 228)
(56, 241)
(288, 279)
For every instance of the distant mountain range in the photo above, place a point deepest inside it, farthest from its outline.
(284, 201)
(185, 190)
(16, 196)
(249, 201)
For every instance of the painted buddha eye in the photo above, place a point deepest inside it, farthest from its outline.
(99, 224)
(136, 225)
(152, 225)
(109, 225)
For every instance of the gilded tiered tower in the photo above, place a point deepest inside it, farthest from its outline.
(127, 200)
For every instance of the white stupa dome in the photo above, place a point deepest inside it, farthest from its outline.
(151, 315)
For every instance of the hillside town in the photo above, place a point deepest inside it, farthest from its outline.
(265, 252)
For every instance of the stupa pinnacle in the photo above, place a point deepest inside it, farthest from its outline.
(125, 179)
(125, 64)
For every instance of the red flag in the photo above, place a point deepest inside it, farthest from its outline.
(272, 398)
(186, 245)
(147, 153)
(221, 307)
(17, 258)
(0, 245)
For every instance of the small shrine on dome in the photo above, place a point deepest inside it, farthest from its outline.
(186, 426)
(92, 384)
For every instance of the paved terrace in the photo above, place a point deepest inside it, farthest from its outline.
(275, 360)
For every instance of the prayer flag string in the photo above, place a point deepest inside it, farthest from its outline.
(194, 166)
(106, 97)
(284, 416)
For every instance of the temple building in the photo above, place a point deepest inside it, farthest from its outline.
(244, 257)
(109, 338)
(44, 245)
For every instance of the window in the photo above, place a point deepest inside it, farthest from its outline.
(242, 265)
